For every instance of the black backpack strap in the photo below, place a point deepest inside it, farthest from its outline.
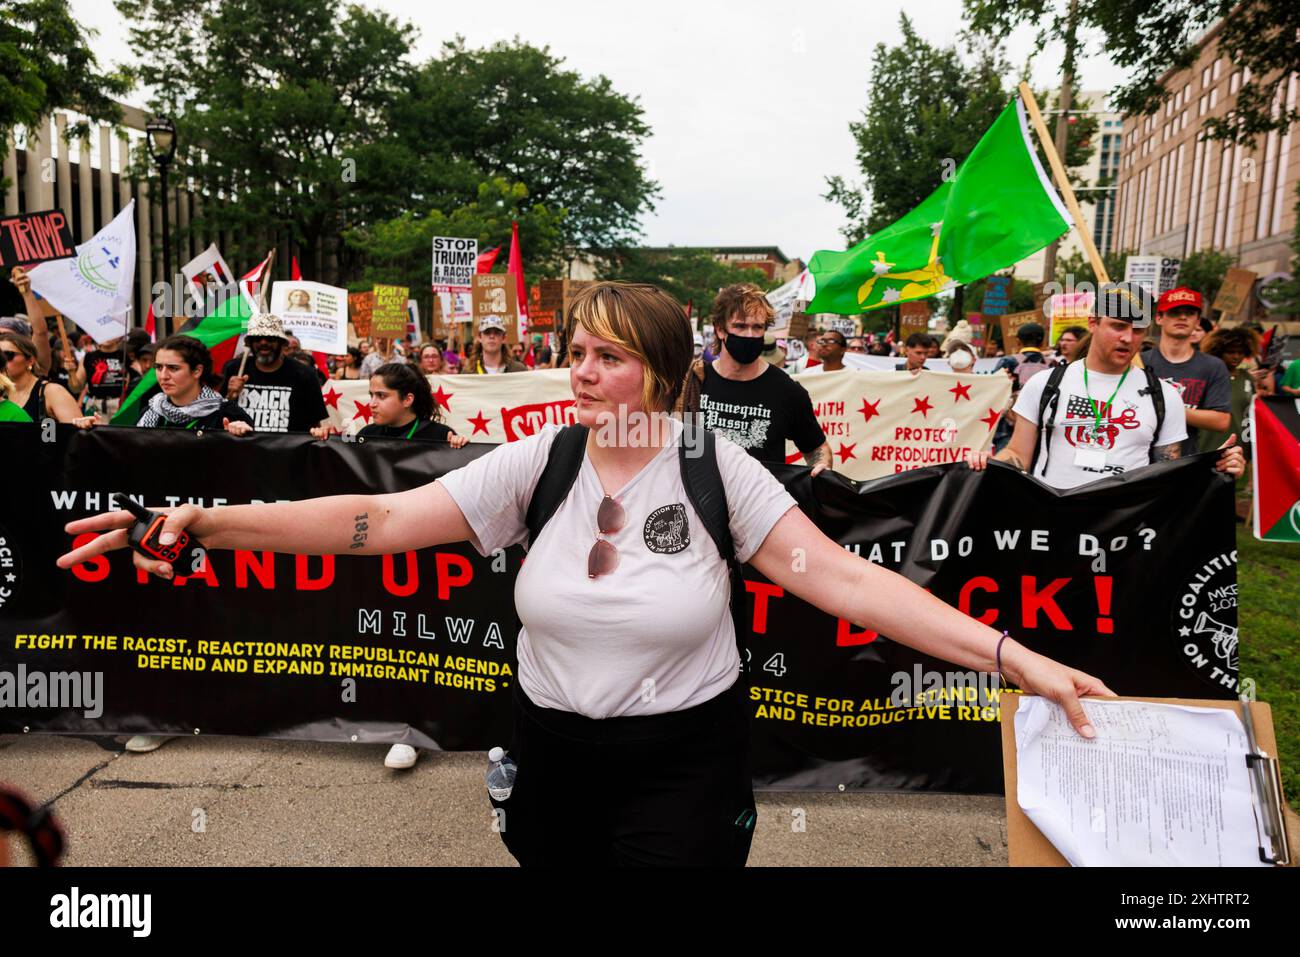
(1046, 415)
(1158, 400)
(703, 482)
(563, 463)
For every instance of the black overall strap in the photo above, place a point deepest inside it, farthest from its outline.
(1046, 416)
(562, 466)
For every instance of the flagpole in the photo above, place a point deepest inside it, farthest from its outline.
(1063, 183)
(261, 302)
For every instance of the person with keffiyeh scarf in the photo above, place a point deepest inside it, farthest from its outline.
(186, 401)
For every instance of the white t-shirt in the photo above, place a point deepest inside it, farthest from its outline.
(655, 635)
(1127, 425)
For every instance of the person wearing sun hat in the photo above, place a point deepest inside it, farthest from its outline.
(1202, 380)
(278, 395)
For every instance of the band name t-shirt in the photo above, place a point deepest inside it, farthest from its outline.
(286, 400)
(760, 414)
(1202, 381)
(106, 374)
(1127, 424)
(654, 635)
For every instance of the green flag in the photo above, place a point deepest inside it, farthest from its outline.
(997, 208)
(219, 331)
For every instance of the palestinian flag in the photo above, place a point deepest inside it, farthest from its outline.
(1275, 431)
(997, 208)
(219, 331)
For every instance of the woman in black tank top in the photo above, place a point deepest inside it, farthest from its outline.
(39, 397)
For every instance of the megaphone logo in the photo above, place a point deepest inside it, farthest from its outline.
(1224, 637)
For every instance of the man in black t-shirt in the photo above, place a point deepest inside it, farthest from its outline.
(750, 401)
(280, 395)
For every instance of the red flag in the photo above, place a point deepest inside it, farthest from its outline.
(516, 269)
(487, 259)
(294, 272)
(149, 324)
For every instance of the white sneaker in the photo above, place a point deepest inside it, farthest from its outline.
(143, 743)
(401, 756)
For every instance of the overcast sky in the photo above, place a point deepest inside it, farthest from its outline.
(749, 103)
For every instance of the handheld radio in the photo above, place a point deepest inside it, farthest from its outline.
(146, 530)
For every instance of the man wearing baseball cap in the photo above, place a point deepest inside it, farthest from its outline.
(489, 354)
(1201, 380)
(1099, 416)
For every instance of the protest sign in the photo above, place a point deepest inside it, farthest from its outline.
(1010, 323)
(913, 317)
(388, 318)
(361, 305)
(454, 263)
(494, 295)
(997, 295)
(257, 643)
(1066, 309)
(207, 272)
(317, 314)
(1156, 274)
(547, 307)
(31, 238)
(799, 325)
(571, 288)
(1235, 291)
(847, 326)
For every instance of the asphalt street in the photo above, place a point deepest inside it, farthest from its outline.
(215, 801)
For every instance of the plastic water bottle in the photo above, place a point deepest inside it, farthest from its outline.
(500, 774)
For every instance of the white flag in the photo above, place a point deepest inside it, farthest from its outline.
(94, 288)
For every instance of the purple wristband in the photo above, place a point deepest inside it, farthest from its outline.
(1004, 637)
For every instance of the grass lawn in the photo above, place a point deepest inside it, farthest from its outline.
(1268, 577)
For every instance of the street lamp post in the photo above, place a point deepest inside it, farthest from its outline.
(161, 133)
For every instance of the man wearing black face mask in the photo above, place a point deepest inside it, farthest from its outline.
(750, 401)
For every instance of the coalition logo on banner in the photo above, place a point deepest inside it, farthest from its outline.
(877, 423)
(260, 643)
(11, 569)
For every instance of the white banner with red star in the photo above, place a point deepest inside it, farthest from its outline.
(877, 423)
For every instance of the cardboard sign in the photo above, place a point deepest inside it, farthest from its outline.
(1011, 323)
(913, 317)
(361, 305)
(455, 261)
(799, 326)
(997, 296)
(1235, 291)
(388, 320)
(1156, 274)
(494, 295)
(314, 312)
(547, 305)
(33, 238)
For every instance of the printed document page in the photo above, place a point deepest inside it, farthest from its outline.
(1161, 785)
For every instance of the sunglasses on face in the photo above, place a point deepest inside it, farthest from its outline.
(9, 356)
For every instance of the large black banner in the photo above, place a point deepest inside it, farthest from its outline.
(1132, 579)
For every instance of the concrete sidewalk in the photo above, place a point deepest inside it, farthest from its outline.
(260, 801)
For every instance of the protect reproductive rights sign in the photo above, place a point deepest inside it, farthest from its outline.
(454, 262)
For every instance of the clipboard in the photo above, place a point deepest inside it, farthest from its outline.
(1026, 845)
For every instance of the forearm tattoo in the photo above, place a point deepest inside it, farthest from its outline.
(1012, 457)
(820, 456)
(1165, 453)
(361, 529)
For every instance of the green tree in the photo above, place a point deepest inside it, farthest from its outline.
(397, 250)
(926, 109)
(513, 110)
(1074, 269)
(1154, 37)
(689, 275)
(282, 113)
(46, 64)
(1204, 272)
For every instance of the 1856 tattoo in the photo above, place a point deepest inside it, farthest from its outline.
(359, 536)
(1165, 453)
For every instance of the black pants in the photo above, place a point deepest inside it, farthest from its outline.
(649, 790)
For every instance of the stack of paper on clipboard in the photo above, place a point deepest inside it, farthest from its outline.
(1161, 785)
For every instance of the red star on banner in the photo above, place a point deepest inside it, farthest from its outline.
(443, 398)
(846, 452)
(869, 408)
(923, 406)
(961, 391)
(991, 419)
(479, 423)
(363, 410)
(332, 398)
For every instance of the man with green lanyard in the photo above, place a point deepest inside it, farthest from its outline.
(1102, 416)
